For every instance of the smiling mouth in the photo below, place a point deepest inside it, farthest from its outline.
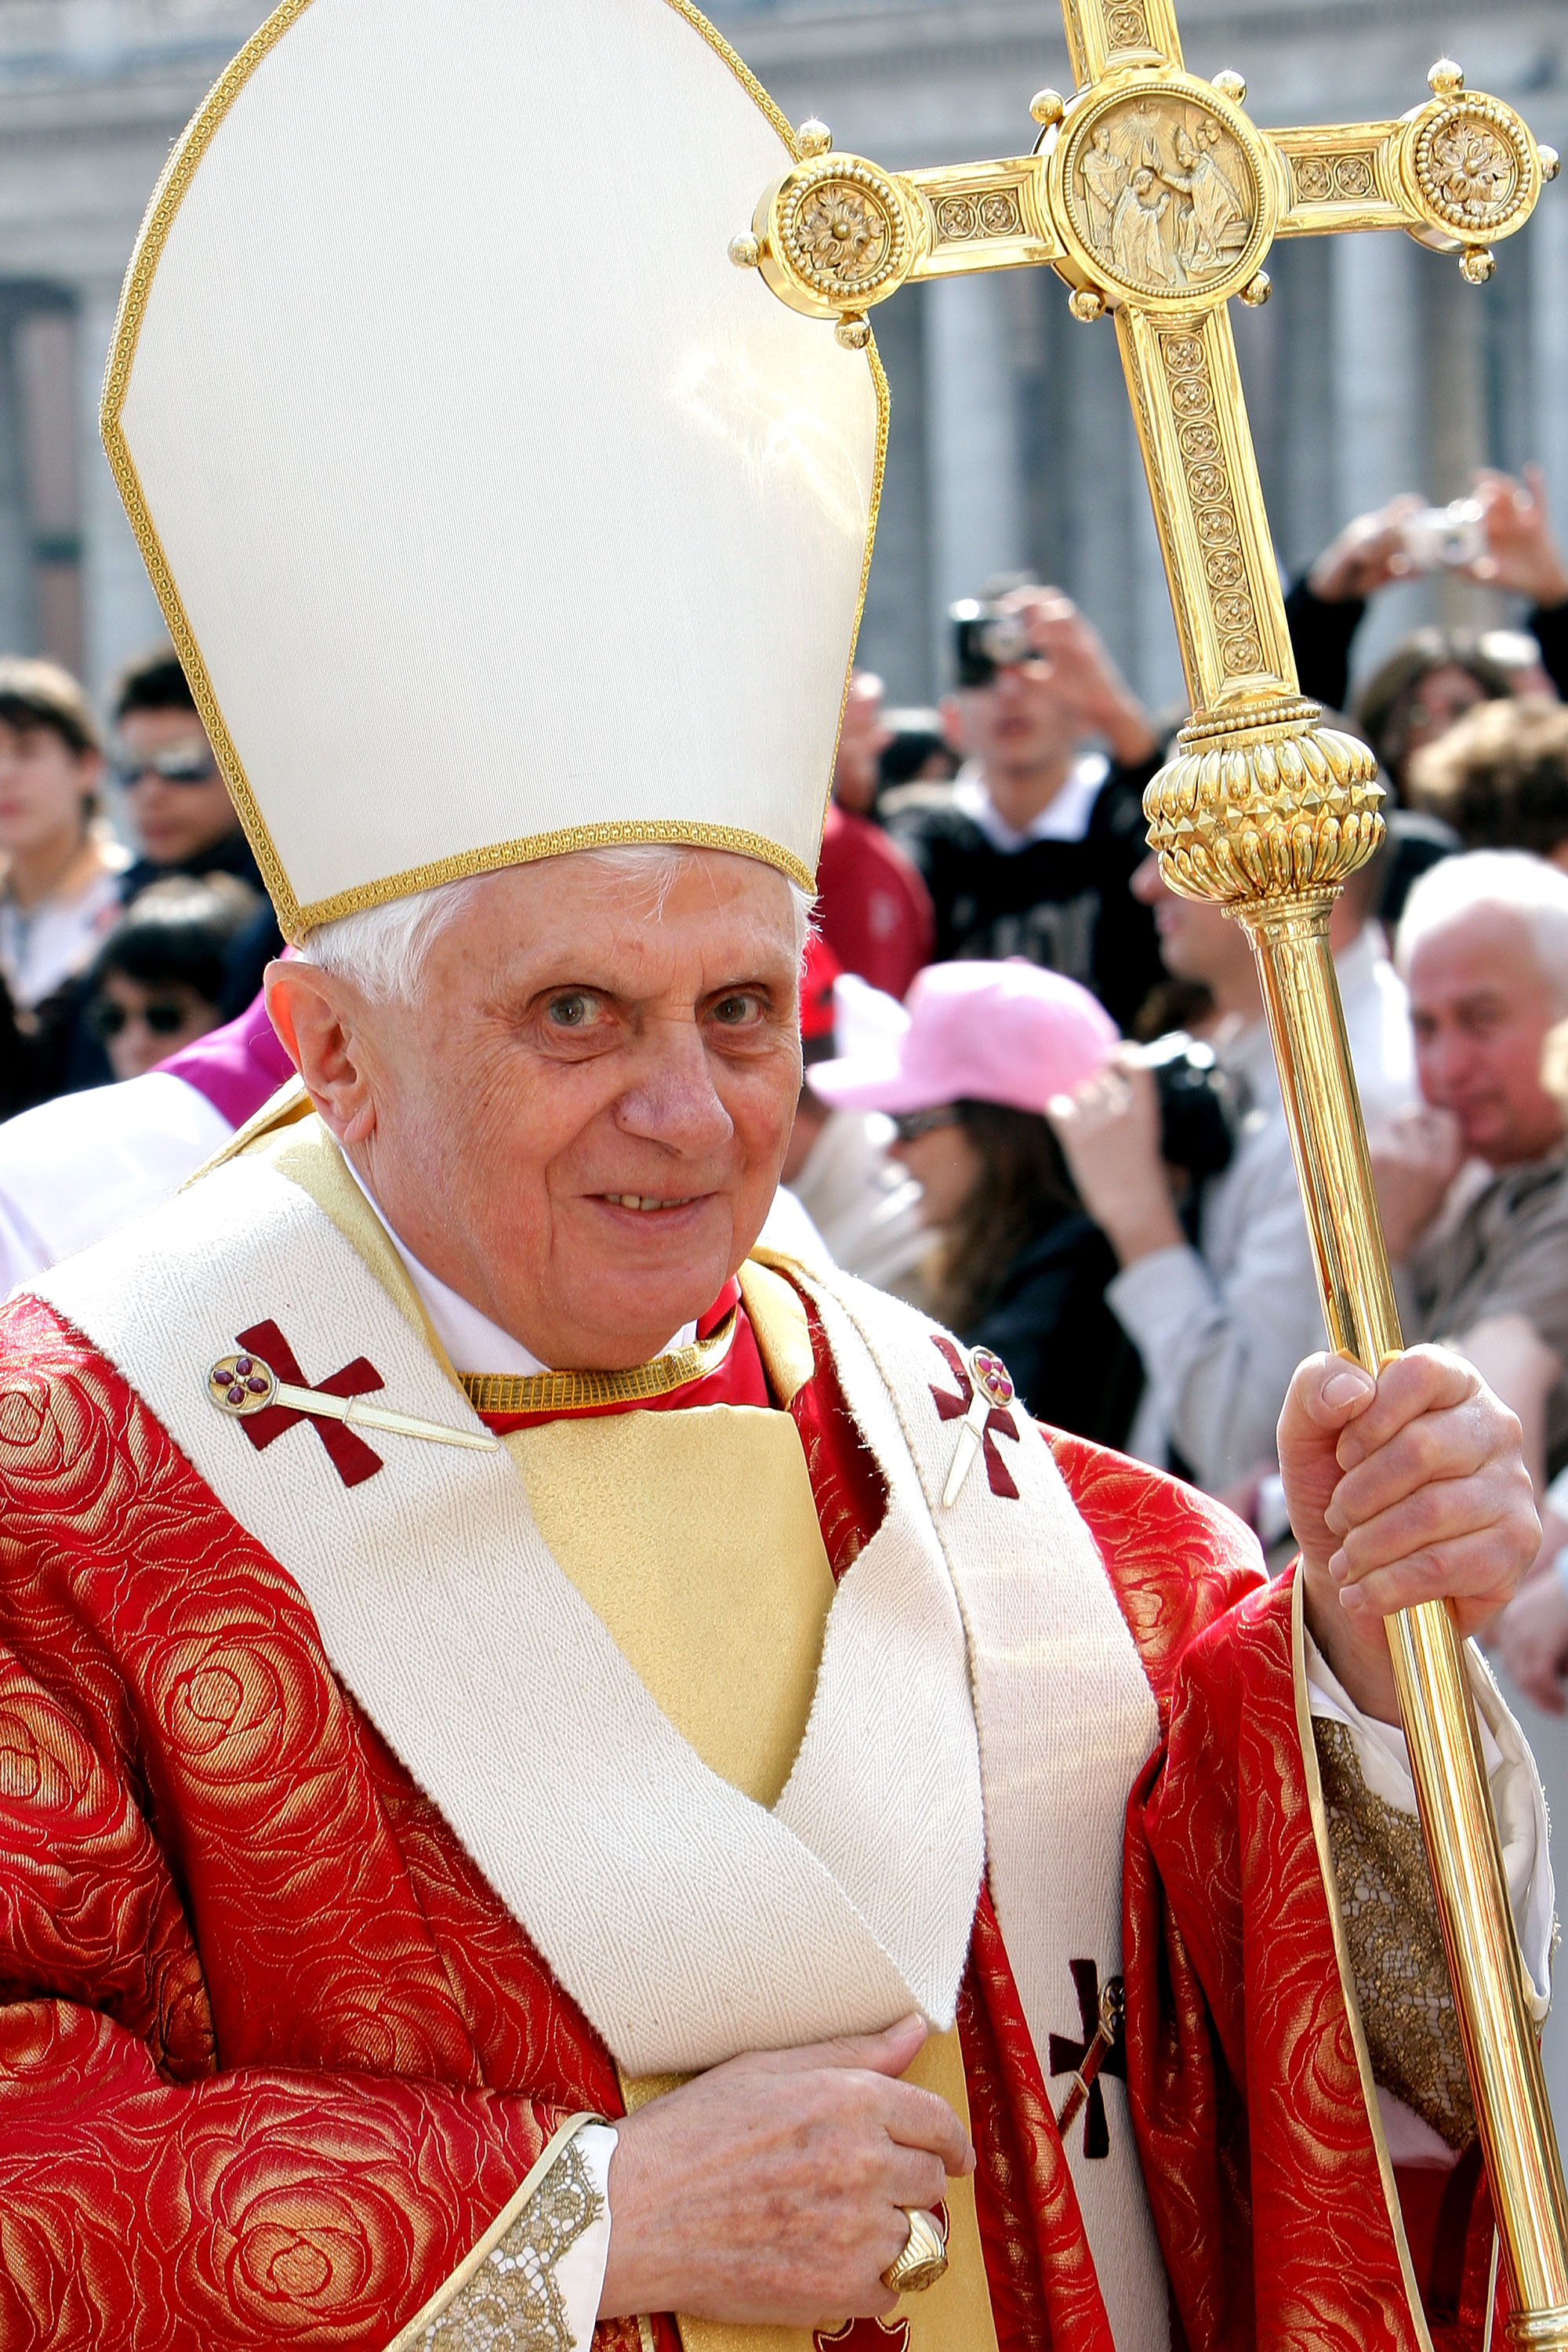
(644, 1201)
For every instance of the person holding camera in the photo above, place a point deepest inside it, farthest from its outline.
(1500, 536)
(1030, 851)
(964, 1073)
(1221, 1322)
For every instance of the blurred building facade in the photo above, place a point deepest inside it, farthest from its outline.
(1374, 369)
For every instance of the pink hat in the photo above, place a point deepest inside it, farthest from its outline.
(1001, 1032)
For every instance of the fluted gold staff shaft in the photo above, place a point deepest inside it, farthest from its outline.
(1300, 993)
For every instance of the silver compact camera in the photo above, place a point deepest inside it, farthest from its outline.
(1445, 539)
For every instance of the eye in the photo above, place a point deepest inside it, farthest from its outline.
(574, 1009)
(736, 1008)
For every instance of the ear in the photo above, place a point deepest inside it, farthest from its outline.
(951, 711)
(315, 1017)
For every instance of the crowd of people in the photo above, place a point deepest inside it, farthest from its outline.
(1058, 1126)
(1040, 1097)
(119, 942)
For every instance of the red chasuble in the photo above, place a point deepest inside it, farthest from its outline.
(272, 2054)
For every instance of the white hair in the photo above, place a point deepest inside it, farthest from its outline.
(382, 951)
(1511, 881)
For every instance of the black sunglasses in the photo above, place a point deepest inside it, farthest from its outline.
(907, 1124)
(107, 1019)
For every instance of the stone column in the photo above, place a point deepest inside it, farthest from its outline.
(1379, 406)
(1154, 667)
(895, 632)
(120, 612)
(975, 500)
(1548, 233)
(1454, 362)
(16, 617)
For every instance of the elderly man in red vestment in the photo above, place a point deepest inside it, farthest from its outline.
(561, 1779)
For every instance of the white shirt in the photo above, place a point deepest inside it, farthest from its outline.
(1222, 1331)
(48, 944)
(1065, 816)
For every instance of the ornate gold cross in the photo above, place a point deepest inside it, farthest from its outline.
(1152, 193)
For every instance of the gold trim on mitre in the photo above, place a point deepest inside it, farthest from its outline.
(563, 1392)
(295, 920)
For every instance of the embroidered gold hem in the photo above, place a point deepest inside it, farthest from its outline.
(1395, 1945)
(556, 1392)
(513, 2299)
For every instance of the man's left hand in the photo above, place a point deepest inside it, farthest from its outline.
(1410, 1489)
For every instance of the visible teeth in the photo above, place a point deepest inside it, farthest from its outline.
(641, 1201)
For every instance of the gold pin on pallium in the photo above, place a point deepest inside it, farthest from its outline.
(245, 1384)
(1113, 2007)
(992, 1385)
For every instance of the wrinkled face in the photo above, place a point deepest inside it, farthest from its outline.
(44, 787)
(579, 1123)
(1480, 1009)
(175, 817)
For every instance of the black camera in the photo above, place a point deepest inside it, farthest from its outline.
(1199, 1113)
(987, 639)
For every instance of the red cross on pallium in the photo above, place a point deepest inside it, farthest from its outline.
(999, 1422)
(350, 1456)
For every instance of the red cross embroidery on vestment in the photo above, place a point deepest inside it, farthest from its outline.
(999, 1422)
(350, 1456)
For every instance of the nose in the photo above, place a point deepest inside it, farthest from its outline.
(672, 1099)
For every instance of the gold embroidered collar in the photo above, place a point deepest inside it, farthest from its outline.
(507, 1392)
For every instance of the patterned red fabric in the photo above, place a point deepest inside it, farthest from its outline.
(272, 2054)
(1241, 2068)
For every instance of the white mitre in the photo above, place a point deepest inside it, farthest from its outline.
(494, 513)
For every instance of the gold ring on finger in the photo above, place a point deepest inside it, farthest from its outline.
(924, 2258)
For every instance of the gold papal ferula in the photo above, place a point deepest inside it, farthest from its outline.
(1238, 821)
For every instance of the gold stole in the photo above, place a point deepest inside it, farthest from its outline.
(694, 1539)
